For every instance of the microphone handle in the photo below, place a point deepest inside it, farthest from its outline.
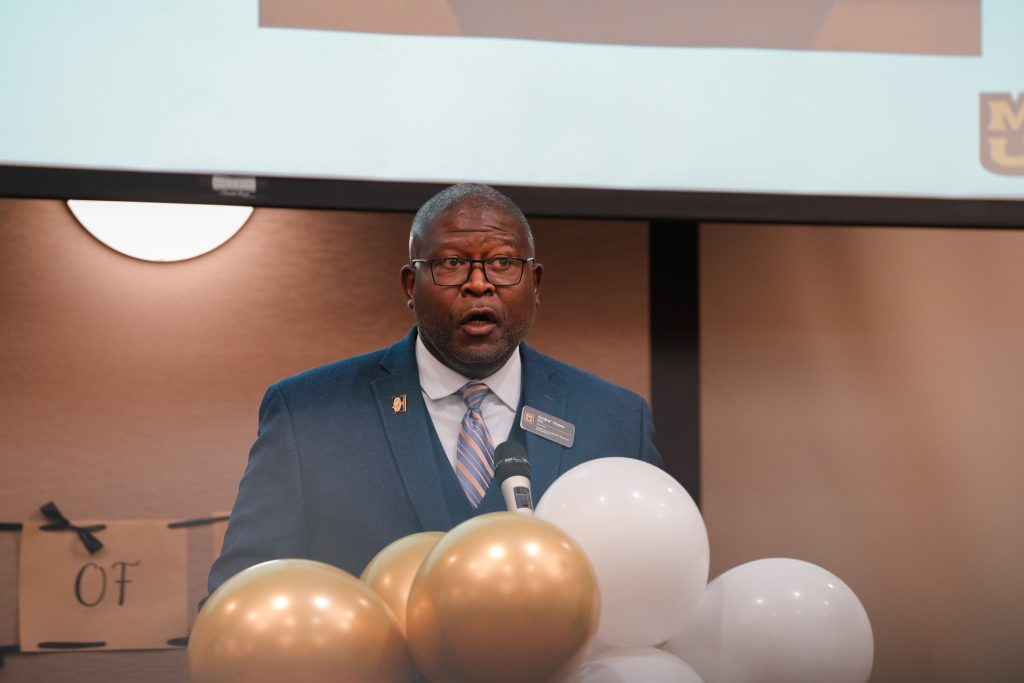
(516, 490)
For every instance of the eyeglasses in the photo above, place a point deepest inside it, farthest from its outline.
(454, 271)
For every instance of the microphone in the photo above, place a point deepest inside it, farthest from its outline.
(512, 471)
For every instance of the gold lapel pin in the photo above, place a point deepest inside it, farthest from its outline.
(399, 404)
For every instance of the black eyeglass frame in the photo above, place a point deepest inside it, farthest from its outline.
(483, 265)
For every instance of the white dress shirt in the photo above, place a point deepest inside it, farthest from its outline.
(440, 385)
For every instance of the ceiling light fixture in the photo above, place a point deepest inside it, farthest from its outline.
(160, 232)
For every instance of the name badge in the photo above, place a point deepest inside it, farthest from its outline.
(548, 427)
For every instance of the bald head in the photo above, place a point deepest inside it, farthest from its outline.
(464, 195)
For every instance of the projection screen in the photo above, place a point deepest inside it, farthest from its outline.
(906, 98)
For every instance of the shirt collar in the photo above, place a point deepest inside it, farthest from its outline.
(438, 380)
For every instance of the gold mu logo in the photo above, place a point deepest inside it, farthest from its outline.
(1002, 133)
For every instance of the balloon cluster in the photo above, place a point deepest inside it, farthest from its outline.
(774, 620)
(607, 583)
(296, 620)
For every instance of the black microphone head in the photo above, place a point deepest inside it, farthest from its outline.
(510, 461)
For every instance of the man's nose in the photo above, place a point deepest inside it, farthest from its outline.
(477, 283)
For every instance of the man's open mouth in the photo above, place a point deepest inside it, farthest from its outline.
(479, 322)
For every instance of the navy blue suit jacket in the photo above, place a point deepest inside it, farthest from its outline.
(336, 476)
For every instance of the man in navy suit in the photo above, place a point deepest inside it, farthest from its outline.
(357, 454)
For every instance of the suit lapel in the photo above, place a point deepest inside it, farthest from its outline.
(541, 393)
(408, 434)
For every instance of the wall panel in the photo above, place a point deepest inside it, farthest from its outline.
(130, 389)
(861, 391)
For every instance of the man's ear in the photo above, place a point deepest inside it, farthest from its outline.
(537, 273)
(408, 281)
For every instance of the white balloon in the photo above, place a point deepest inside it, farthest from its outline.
(778, 620)
(646, 540)
(635, 665)
(598, 648)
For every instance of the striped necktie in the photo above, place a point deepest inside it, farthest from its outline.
(474, 452)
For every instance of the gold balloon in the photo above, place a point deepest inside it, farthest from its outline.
(503, 598)
(297, 621)
(391, 571)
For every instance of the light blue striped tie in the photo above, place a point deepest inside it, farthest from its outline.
(474, 452)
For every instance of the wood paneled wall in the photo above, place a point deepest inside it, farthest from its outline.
(130, 389)
(862, 391)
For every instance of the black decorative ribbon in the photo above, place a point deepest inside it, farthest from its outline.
(59, 522)
(7, 650)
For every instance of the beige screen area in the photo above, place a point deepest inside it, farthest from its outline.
(130, 390)
(899, 26)
(862, 391)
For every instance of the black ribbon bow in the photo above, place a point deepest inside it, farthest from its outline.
(59, 522)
